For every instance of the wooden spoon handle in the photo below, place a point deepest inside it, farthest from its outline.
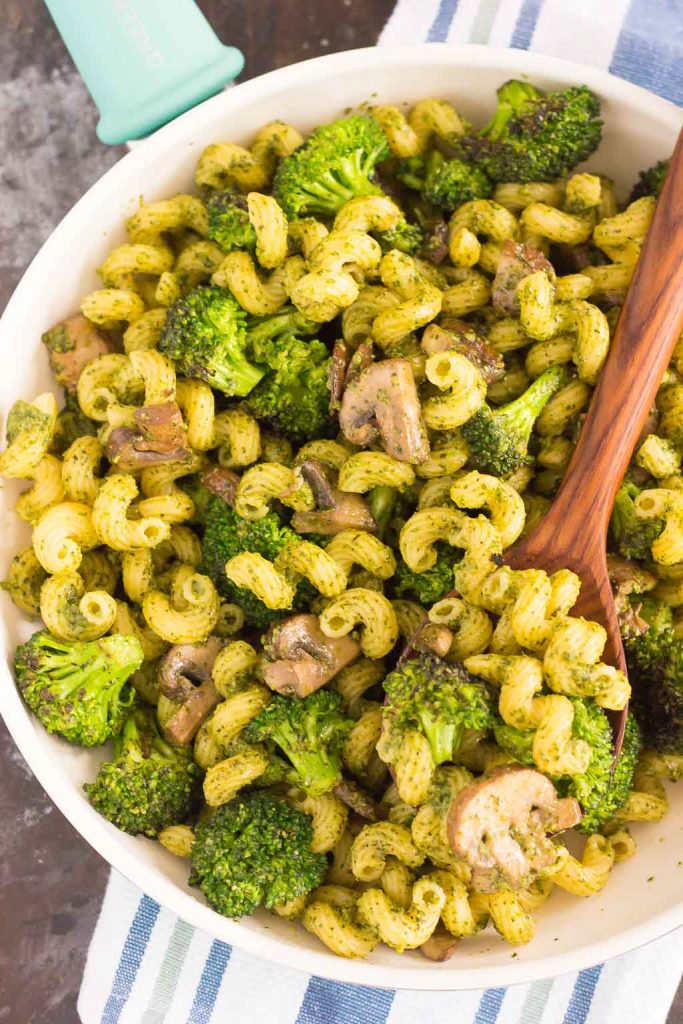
(649, 326)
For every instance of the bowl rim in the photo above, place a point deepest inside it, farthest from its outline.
(97, 832)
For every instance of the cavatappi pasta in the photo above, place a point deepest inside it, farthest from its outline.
(365, 522)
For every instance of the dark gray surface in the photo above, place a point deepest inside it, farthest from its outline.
(51, 882)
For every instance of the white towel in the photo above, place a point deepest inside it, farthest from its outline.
(145, 966)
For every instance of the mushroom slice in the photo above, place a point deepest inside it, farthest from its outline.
(516, 262)
(341, 354)
(628, 578)
(302, 658)
(382, 401)
(499, 826)
(457, 335)
(339, 510)
(71, 344)
(358, 800)
(222, 482)
(440, 946)
(185, 677)
(434, 638)
(158, 437)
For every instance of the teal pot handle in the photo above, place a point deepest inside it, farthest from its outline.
(144, 61)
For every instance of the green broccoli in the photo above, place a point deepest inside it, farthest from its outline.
(205, 337)
(71, 423)
(334, 165)
(225, 535)
(632, 536)
(498, 439)
(534, 136)
(148, 785)
(450, 183)
(654, 612)
(309, 732)
(294, 396)
(25, 418)
(405, 237)
(253, 851)
(229, 224)
(80, 689)
(655, 668)
(439, 699)
(382, 501)
(603, 787)
(650, 181)
(201, 495)
(428, 586)
(265, 333)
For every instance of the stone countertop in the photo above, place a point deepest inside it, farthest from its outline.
(51, 882)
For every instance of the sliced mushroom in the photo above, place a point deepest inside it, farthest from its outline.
(456, 334)
(338, 510)
(302, 658)
(71, 344)
(222, 482)
(358, 800)
(516, 262)
(628, 578)
(434, 639)
(383, 401)
(440, 946)
(571, 259)
(185, 677)
(435, 246)
(499, 826)
(158, 437)
(341, 353)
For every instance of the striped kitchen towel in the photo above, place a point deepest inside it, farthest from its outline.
(145, 966)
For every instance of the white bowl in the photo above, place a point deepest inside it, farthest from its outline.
(644, 898)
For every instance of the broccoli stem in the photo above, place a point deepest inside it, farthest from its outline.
(317, 772)
(382, 502)
(518, 417)
(443, 737)
(237, 378)
(513, 97)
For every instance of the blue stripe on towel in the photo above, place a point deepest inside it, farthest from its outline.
(442, 21)
(649, 46)
(582, 996)
(331, 1002)
(526, 23)
(209, 983)
(131, 957)
(489, 1006)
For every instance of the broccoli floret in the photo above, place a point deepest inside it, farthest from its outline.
(201, 496)
(78, 690)
(71, 423)
(534, 136)
(655, 668)
(382, 501)
(654, 612)
(498, 439)
(428, 586)
(440, 700)
(650, 181)
(229, 224)
(225, 535)
(309, 732)
(148, 784)
(265, 333)
(294, 396)
(632, 536)
(405, 237)
(603, 787)
(335, 164)
(253, 851)
(450, 183)
(205, 337)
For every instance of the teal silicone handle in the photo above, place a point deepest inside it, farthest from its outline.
(144, 61)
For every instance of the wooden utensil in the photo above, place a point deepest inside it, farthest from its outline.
(573, 532)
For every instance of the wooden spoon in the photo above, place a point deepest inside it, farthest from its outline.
(573, 532)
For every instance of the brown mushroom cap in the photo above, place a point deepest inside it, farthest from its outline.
(358, 800)
(339, 510)
(440, 946)
(71, 344)
(454, 334)
(302, 658)
(158, 437)
(180, 670)
(382, 401)
(516, 262)
(222, 482)
(498, 825)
